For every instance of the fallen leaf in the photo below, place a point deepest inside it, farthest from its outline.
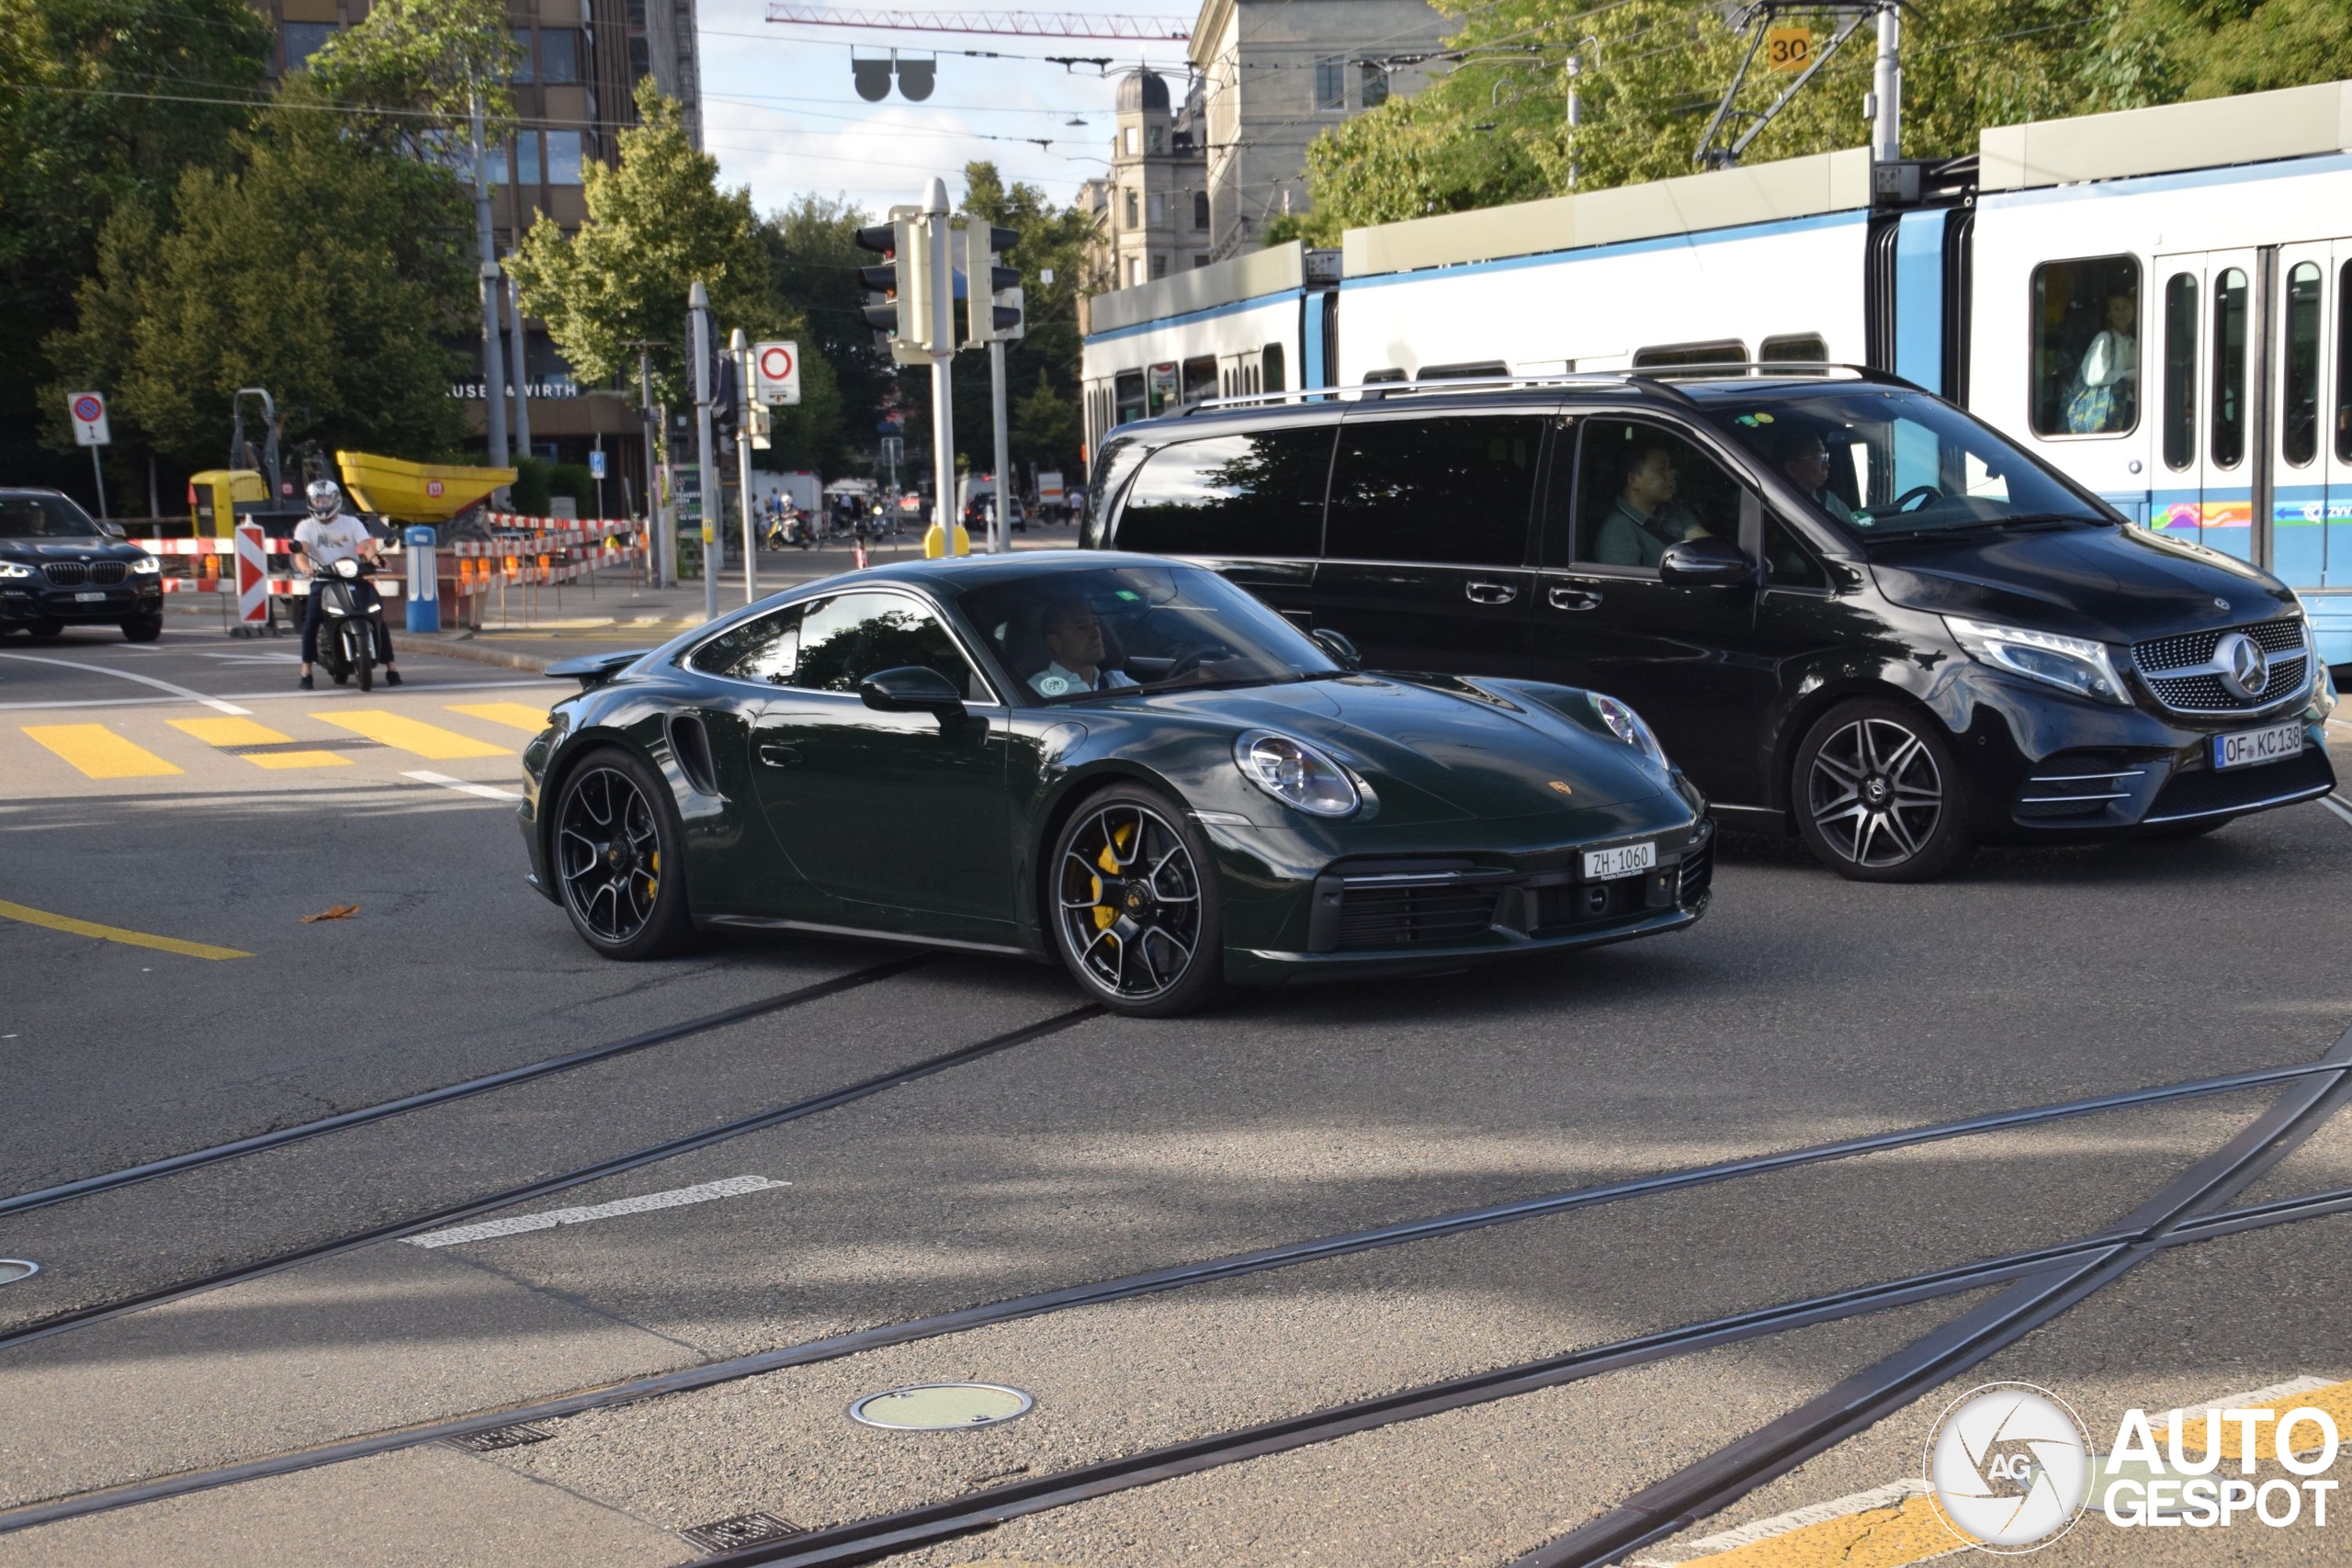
(340, 912)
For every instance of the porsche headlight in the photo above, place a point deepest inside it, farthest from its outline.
(145, 566)
(2070, 663)
(1627, 725)
(1296, 775)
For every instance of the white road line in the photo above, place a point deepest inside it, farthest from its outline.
(445, 781)
(2336, 803)
(180, 691)
(727, 1186)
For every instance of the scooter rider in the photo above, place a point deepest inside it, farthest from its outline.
(327, 536)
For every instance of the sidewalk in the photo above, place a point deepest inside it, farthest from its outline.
(541, 625)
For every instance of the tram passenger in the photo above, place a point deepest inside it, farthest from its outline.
(1646, 517)
(2106, 384)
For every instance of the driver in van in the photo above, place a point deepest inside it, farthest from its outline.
(1074, 636)
(1802, 458)
(1646, 518)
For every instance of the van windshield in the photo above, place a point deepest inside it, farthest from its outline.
(1888, 463)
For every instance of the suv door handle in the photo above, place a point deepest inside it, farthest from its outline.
(1489, 592)
(776, 754)
(1574, 599)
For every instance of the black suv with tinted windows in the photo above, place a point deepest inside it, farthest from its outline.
(58, 569)
(1848, 608)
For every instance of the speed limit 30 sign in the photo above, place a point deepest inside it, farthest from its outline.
(777, 366)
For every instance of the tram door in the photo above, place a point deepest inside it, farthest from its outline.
(2210, 432)
(2310, 501)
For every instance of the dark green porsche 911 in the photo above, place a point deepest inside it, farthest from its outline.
(1124, 762)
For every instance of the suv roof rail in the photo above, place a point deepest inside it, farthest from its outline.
(1663, 376)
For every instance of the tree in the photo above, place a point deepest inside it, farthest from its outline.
(656, 225)
(343, 314)
(812, 273)
(425, 62)
(98, 119)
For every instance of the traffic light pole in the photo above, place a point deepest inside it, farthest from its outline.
(1000, 526)
(698, 307)
(940, 335)
(740, 347)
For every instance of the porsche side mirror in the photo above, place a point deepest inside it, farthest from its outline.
(1705, 562)
(911, 688)
(1343, 651)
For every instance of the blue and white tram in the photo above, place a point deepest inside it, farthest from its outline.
(2156, 301)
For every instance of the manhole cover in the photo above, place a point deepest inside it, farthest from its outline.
(940, 1406)
(15, 1269)
(740, 1529)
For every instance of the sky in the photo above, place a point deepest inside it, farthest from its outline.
(781, 115)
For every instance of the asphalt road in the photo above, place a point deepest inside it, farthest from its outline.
(170, 815)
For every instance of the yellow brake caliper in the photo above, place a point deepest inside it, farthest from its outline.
(653, 883)
(1108, 860)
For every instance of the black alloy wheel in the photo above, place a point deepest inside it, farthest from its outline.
(1135, 912)
(614, 835)
(144, 629)
(1879, 796)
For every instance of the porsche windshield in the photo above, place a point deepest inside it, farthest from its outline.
(1890, 463)
(1068, 635)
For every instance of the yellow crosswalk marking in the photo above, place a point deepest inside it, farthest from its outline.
(428, 740)
(245, 732)
(32, 917)
(2335, 1400)
(514, 715)
(1911, 1531)
(99, 752)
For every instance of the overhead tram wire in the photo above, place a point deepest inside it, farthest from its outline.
(1239, 1265)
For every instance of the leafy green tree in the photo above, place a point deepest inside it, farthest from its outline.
(424, 64)
(1045, 428)
(656, 225)
(109, 102)
(327, 270)
(2214, 48)
(813, 272)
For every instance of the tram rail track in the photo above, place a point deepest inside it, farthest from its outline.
(1152, 1281)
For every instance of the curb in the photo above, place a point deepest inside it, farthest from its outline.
(411, 642)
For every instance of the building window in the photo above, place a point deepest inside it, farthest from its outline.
(2085, 364)
(1158, 207)
(1374, 84)
(1152, 138)
(1200, 259)
(1331, 82)
(1135, 271)
(565, 157)
(1200, 209)
(1159, 266)
(494, 163)
(523, 66)
(304, 39)
(1135, 141)
(1135, 209)
(559, 55)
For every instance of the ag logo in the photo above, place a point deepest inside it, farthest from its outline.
(2010, 1466)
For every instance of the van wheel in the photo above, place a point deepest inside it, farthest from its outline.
(1879, 796)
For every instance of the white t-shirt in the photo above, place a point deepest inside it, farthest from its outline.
(323, 544)
(1054, 681)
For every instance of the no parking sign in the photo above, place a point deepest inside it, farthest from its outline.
(89, 412)
(777, 366)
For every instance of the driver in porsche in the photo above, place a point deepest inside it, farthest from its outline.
(1074, 636)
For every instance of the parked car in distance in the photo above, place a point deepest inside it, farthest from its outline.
(1122, 763)
(59, 567)
(1851, 610)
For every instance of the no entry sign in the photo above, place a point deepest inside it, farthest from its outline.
(777, 366)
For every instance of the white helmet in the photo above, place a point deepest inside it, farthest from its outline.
(326, 498)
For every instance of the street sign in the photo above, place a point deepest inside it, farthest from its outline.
(89, 412)
(779, 365)
(894, 449)
(596, 465)
(1788, 49)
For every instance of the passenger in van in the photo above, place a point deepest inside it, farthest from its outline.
(1073, 637)
(2106, 384)
(1646, 517)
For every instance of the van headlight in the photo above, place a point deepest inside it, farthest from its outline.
(2075, 665)
(1627, 725)
(1296, 775)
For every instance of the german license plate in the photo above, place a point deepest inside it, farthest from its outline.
(2250, 748)
(1625, 860)
(89, 598)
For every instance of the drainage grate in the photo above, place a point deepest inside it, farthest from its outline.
(742, 1529)
(499, 1438)
(265, 747)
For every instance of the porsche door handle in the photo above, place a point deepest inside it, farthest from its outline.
(1574, 599)
(1489, 592)
(776, 754)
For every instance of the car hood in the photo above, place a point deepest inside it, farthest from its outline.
(1436, 748)
(2116, 584)
(69, 549)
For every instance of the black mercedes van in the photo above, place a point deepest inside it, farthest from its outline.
(1849, 609)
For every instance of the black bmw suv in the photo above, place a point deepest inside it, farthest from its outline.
(1849, 609)
(58, 569)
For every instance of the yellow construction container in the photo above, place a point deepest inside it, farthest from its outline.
(416, 493)
(217, 496)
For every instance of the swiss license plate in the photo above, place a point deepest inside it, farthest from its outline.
(89, 598)
(1625, 860)
(2250, 747)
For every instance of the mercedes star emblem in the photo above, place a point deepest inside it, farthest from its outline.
(2244, 669)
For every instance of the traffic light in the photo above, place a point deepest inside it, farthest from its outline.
(895, 303)
(726, 394)
(988, 318)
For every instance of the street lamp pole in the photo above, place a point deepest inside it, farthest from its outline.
(940, 332)
(494, 355)
(698, 307)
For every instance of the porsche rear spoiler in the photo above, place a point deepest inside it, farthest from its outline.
(592, 669)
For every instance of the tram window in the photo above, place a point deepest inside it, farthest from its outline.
(1270, 359)
(1127, 391)
(1451, 492)
(1797, 348)
(2181, 369)
(2299, 433)
(1232, 495)
(1727, 351)
(1200, 377)
(2229, 368)
(2085, 363)
(2344, 364)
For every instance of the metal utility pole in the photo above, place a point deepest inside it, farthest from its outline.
(940, 335)
(1575, 68)
(698, 307)
(493, 357)
(1001, 523)
(740, 347)
(664, 546)
(1886, 88)
(521, 370)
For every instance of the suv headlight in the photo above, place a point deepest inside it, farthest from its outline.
(1296, 773)
(2070, 663)
(1627, 725)
(146, 566)
(13, 569)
